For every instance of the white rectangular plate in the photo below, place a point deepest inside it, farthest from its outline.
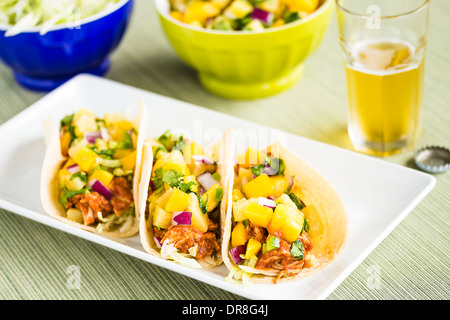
(376, 193)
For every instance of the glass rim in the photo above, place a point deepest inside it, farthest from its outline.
(419, 8)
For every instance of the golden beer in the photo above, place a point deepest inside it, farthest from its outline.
(385, 90)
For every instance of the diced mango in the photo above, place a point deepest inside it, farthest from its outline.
(129, 161)
(238, 209)
(212, 197)
(161, 218)
(176, 15)
(288, 220)
(253, 247)
(119, 153)
(257, 214)
(85, 158)
(237, 195)
(239, 235)
(261, 186)
(105, 177)
(199, 220)
(280, 184)
(200, 11)
(177, 201)
(65, 141)
(307, 6)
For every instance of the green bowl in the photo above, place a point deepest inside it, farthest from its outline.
(247, 64)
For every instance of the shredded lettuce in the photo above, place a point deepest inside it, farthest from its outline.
(22, 15)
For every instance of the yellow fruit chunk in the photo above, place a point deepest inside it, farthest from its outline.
(288, 220)
(161, 218)
(63, 176)
(192, 149)
(199, 220)
(238, 209)
(200, 11)
(239, 235)
(261, 186)
(129, 161)
(307, 6)
(280, 184)
(177, 201)
(105, 177)
(85, 158)
(238, 9)
(162, 200)
(253, 247)
(74, 184)
(65, 141)
(172, 161)
(176, 15)
(237, 195)
(257, 214)
(84, 120)
(213, 196)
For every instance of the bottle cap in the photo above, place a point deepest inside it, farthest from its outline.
(432, 159)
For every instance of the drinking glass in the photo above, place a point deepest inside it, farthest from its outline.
(383, 43)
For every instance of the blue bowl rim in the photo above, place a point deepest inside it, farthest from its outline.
(161, 5)
(86, 20)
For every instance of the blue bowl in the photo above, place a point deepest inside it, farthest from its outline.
(43, 62)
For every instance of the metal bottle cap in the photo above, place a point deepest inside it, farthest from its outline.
(433, 159)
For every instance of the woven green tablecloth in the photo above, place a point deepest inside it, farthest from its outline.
(413, 260)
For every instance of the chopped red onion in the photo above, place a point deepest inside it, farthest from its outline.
(206, 180)
(267, 202)
(92, 136)
(158, 242)
(104, 133)
(262, 15)
(237, 252)
(100, 188)
(73, 168)
(270, 171)
(182, 217)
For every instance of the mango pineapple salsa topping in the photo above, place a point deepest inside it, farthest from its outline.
(230, 15)
(95, 183)
(184, 200)
(270, 232)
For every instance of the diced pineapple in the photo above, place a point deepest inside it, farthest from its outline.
(252, 157)
(84, 120)
(213, 196)
(129, 161)
(161, 218)
(285, 199)
(192, 178)
(239, 235)
(63, 176)
(253, 247)
(172, 161)
(238, 209)
(74, 215)
(237, 195)
(105, 177)
(177, 201)
(238, 9)
(288, 220)
(74, 184)
(220, 4)
(199, 220)
(85, 158)
(280, 184)
(270, 5)
(162, 200)
(261, 186)
(257, 214)
(200, 11)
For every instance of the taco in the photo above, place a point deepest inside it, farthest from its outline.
(286, 220)
(183, 199)
(91, 171)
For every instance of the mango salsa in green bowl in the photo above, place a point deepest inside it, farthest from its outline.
(244, 50)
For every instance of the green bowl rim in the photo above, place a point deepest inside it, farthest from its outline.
(322, 8)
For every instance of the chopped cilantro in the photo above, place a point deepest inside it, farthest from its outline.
(298, 250)
(126, 143)
(298, 202)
